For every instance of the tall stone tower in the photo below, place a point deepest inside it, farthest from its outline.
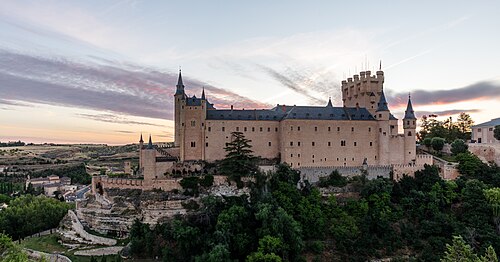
(141, 151)
(149, 163)
(382, 114)
(179, 102)
(193, 116)
(409, 126)
(363, 90)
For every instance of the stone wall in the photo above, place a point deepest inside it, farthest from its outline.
(313, 174)
(486, 152)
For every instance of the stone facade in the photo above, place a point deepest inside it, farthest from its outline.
(483, 133)
(302, 135)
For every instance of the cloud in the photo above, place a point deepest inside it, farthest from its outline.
(448, 112)
(478, 91)
(101, 84)
(316, 87)
(110, 118)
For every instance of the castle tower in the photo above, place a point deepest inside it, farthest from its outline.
(179, 102)
(149, 163)
(410, 126)
(383, 115)
(363, 90)
(141, 157)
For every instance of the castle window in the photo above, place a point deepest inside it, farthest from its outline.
(392, 127)
(291, 128)
(237, 128)
(193, 144)
(182, 124)
(408, 122)
(182, 107)
(342, 143)
(329, 129)
(275, 129)
(409, 133)
(369, 129)
(209, 129)
(380, 129)
(371, 143)
(261, 129)
(352, 129)
(355, 144)
(313, 160)
(337, 159)
(291, 143)
(268, 129)
(202, 124)
(253, 129)
(491, 129)
(353, 159)
(375, 157)
(298, 164)
(298, 128)
(338, 129)
(479, 130)
(315, 128)
(298, 155)
(298, 143)
(413, 122)
(206, 144)
(291, 155)
(329, 143)
(313, 156)
(223, 129)
(245, 129)
(269, 143)
(313, 144)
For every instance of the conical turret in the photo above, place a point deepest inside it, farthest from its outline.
(203, 94)
(409, 113)
(382, 103)
(329, 102)
(180, 85)
(150, 143)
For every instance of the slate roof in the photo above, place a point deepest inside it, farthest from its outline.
(492, 122)
(279, 113)
(382, 103)
(409, 113)
(194, 101)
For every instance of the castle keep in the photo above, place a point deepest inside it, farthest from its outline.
(302, 136)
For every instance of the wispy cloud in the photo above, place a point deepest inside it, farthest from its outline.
(100, 84)
(448, 112)
(477, 91)
(110, 118)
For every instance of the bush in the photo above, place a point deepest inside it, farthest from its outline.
(437, 143)
(427, 142)
(458, 146)
(334, 179)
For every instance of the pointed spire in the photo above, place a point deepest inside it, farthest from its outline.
(203, 94)
(380, 65)
(329, 102)
(409, 113)
(140, 140)
(382, 103)
(180, 85)
(150, 143)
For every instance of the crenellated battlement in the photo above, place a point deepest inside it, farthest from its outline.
(362, 90)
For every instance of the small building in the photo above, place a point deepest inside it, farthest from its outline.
(483, 133)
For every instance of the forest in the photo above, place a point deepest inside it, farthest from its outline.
(420, 218)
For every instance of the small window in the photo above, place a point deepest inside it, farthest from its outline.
(329, 129)
(491, 129)
(408, 122)
(338, 129)
(298, 143)
(291, 143)
(291, 128)
(355, 144)
(193, 144)
(268, 129)
(253, 129)
(379, 115)
(371, 143)
(315, 128)
(245, 129)
(409, 133)
(352, 129)
(313, 156)
(275, 129)
(209, 129)
(260, 129)
(182, 124)
(479, 130)
(291, 155)
(237, 128)
(329, 143)
(206, 144)
(369, 129)
(269, 143)
(298, 128)
(313, 144)
(298, 155)
(223, 129)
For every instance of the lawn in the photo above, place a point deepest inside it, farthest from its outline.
(49, 244)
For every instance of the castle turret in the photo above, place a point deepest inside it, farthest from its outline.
(141, 147)
(203, 94)
(179, 102)
(149, 163)
(382, 115)
(410, 126)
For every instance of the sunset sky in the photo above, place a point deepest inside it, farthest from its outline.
(105, 71)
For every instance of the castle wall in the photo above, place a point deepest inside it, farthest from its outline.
(162, 168)
(193, 138)
(396, 149)
(357, 91)
(486, 152)
(320, 142)
(313, 174)
(264, 136)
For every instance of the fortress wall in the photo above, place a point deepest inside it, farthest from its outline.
(396, 149)
(260, 132)
(162, 168)
(313, 174)
(321, 132)
(486, 152)
(424, 159)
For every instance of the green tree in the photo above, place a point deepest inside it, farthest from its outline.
(10, 252)
(437, 143)
(427, 142)
(464, 124)
(459, 251)
(334, 179)
(496, 132)
(458, 146)
(239, 161)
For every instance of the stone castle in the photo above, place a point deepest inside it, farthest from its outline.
(362, 134)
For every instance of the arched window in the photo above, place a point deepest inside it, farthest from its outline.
(409, 133)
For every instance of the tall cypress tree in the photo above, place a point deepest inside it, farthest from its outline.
(239, 161)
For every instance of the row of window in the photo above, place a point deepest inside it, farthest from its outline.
(342, 143)
(324, 159)
(245, 129)
(329, 129)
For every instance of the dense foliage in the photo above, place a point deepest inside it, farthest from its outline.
(447, 129)
(239, 161)
(27, 215)
(12, 143)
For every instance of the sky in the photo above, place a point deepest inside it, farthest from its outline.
(104, 71)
